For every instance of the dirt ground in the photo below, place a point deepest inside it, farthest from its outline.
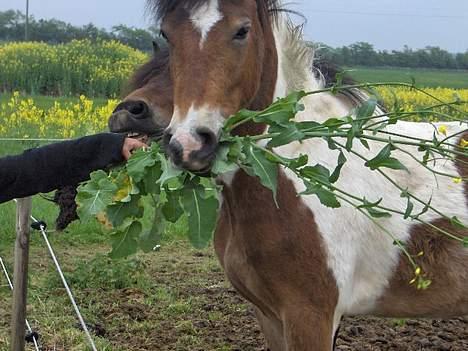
(180, 300)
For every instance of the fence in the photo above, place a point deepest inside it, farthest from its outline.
(19, 323)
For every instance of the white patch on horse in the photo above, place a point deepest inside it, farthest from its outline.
(361, 255)
(204, 18)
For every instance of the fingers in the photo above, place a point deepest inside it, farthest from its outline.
(130, 145)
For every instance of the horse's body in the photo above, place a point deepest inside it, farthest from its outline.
(301, 264)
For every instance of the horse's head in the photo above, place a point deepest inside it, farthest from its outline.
(222, 58)
(148, 106)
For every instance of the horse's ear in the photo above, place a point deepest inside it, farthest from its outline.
(156, 47)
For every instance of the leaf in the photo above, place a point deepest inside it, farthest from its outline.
(95, 195)
(286, 136)
(119, 212)
(202, 213)
(364, 143)
(425, 209)
(239, 117)
(378, 214)
(465, 241)
(334, 124)
(261, 167)
(325, 196)
(409, 209)
(125, 188)
(317, 173)
(282, 111)
(168, 170)
(222, 164)
(151, 178)
(383, 159)
(137, 164)
(370, 207)
(336, 173)
(365, 110)
(149, 239)
(172, 209)
(125, 241)
(350, 138)
(298, 162)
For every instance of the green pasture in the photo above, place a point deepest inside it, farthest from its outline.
(429, 78)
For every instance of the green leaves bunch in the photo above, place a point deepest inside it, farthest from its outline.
(148, 186)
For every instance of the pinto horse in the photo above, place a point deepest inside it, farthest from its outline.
(303, 266)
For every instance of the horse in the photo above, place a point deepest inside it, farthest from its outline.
(302, 265)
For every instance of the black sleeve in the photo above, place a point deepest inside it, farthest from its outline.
(46, 168)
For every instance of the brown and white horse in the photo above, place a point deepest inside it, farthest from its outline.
(302, 265)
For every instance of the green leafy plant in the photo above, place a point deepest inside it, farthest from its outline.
(120, 195)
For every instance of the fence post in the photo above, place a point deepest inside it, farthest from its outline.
(20, 278)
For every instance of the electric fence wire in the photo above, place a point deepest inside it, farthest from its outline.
(7, 276)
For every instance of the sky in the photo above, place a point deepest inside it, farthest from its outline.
(387, 24)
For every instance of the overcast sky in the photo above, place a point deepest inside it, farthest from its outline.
(387, 24)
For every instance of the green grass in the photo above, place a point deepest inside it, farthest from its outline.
(428, 78)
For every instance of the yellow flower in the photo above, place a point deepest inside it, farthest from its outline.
(443, 129)
(417, 271)
(457, 180)
(463, 143)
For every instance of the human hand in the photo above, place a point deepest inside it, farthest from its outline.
(131, 145)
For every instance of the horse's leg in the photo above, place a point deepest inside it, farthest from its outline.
(307, 328)
(272, 330)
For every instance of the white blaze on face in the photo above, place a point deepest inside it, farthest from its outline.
(185, 127)
(204, 17)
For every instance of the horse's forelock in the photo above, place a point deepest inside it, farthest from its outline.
(160, 8)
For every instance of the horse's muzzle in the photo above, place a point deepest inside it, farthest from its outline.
(192, 150)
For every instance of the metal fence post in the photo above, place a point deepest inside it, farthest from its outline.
(20, 279)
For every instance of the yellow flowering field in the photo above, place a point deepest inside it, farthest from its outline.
(20, 117)
(79, 67)
(413, 100)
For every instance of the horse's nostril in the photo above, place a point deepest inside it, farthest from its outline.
(175, 152)
(136, 109)
(207, 137)
(167, 138)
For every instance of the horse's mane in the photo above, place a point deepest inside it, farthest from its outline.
(158, 63)
(160, 8)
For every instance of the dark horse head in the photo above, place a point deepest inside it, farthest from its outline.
(147, 108)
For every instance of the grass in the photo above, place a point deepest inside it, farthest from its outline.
(429, 78)
(173, 299)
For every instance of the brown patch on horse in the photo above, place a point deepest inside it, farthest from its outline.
(445, 261)
(275, 257)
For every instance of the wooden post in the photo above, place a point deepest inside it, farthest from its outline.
(20, 278)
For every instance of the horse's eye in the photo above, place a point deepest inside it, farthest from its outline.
(242, 33)
(164, 35)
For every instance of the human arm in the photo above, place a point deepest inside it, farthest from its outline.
(66, 163)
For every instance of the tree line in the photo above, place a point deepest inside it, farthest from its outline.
(364, 54)
(53, 31)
